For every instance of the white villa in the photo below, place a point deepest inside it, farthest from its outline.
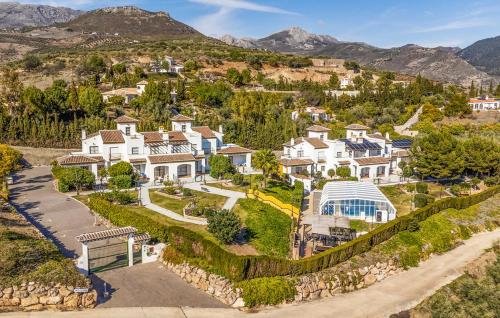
(156, 66)
(345, 82)
(316, 114)
(484, 103)
(128, 93)
(368, 156)
(159, 155)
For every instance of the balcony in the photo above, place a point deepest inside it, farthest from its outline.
(115, 156)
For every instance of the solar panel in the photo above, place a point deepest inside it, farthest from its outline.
(365, 145)
(402, 143)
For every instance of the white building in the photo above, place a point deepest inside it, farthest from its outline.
(345, 82)
(157, 67)
(368, 156)
(338, 93)
(128, 93)
(159, 155)
(355, 200)
(484, 103)
(316, 114)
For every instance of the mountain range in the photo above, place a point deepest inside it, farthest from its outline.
(16, 15)
(479, 62)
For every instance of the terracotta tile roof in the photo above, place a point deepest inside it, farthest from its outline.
(171, 158)
(372, 161)
(142, 82)
(297, 141)
(301, 176)
(79, 159)
(233, 150)
(176, 136)
(137, 160)
(142, 238)
(205, 132)
(296, 162)
(93, 135)
(126, 120)
(122, 92)
(357, 127)
(317, 128)
(112, 136)
(102, 235)
(152, 137)
(316, 143)
(379, 136)
(344, 162)
(181, 118)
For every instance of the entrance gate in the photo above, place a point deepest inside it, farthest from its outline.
(110, 249)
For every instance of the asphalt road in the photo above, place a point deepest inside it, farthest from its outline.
(61, 219)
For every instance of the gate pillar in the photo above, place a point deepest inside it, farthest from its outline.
(130, 249)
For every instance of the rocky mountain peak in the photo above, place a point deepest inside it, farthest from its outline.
(17, 15)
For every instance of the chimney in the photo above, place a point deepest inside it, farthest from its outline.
(387, 136)
(221, 130)
(161, 130)
(84, 134)
(292, 141)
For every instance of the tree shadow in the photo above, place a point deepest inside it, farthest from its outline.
(104, 289)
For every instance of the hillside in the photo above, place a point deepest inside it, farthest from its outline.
(16, 15)
(131, 22)
(439, 63)
(484, 55)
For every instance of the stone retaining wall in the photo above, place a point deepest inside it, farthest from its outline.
(309, 287)
(214, 285)
(34, 297)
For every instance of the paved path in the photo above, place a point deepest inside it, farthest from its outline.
(146, 202)
(405, 128)
(233, 196)
(61, 218)
(396, 293)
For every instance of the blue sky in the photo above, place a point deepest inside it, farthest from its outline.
(384, 23)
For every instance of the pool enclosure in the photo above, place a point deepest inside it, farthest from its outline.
(356, 200)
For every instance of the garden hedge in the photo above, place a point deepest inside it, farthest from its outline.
(237, 268)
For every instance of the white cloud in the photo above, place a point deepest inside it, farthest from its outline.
(455, 25)
(224, 21)
(242, 4)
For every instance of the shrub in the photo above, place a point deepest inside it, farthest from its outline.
(224, 225)
(121, 168)
(187, 192)
(420, 200)
(410, 187)
(422, 187)
(74, 178)
(491, 181)
(169, 190)
(171, 255)
(168, 183)
(456, 189)
(219, 166)
(267, 291)
(237, 179)
(413, 226)
(123, 197)
(297, 194)
(121, 182)
(344, 172)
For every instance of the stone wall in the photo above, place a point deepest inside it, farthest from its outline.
(214, 285)
(33, 297)
(309, 287)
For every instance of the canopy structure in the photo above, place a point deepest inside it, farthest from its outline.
(361, 200)
(106, 234)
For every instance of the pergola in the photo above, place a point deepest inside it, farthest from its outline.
(106, 235)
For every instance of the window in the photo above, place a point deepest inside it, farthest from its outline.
(135, 150)
(339, 154)
(321, 136)
(323, 168)
(93, 149)
(183, 128)
(380, 171)
(300, 153)
(365, 172)
(127, 131)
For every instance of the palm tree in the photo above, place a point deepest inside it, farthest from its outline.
(266, 161)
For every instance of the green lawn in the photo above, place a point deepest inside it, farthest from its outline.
(240, 188)
(279, 190)
(203, 199)
(362, 226)
(269, 228)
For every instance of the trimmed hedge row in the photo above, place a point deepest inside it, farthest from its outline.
(237, 268)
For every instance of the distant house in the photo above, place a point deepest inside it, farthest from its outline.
(157, 67)
(484, 103)
(338, 93)
(345, 82)
(316, 114)
(128, 93)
